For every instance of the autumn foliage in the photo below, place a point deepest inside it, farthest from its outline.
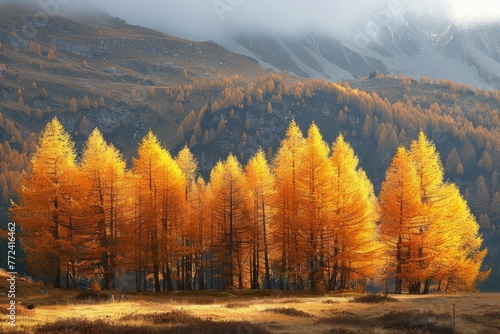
(429, 232)
(309, 219)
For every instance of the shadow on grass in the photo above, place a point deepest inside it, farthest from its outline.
(172, 317)
(491, 319)
(79, 326)
(401, 321)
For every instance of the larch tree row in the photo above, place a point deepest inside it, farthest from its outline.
(308, 220)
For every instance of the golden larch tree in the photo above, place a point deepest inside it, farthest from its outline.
(46, 202)
(261, 182)
(148, 168)
(315, 198)
(458, 265)
(442, 242)
(106, 206)
(188, 165)
(199, 231)
(430, 178)
(230, 201)
(72, 105)
(453, 161)
(482, 203)
(173, 217)
(400, 206)
(86, 102)
(352, 232)
(84, 126)
(285, 202)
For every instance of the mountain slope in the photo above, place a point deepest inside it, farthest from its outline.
(406, 42)
(118, 66)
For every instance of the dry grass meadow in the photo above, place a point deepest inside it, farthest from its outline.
(245, 312)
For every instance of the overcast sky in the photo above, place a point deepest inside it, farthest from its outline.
(206, 19)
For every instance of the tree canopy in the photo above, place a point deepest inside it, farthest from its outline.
(308, 219)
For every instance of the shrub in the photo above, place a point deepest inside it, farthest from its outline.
(289, 311)
(93, 295)
(373, 299)
(95, 287)
(414, 320)
(236, 305)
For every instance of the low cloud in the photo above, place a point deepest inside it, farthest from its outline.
(213, 19)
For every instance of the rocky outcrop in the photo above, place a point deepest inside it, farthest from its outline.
(110, 69)
(105, 119)
(110, 45)
(165, 68)
(15, 40)
(78, 49)
(105, 50)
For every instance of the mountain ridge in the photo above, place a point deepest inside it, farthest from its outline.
(400, 42)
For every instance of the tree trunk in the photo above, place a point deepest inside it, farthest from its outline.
(56, 275)
(105, 266)
(415, 287)
(427, 286)
(156, 266)
(399, 260)
(67, 276)
(137, 280)
(73, 272)
(335, 273)
(200, 274)
(179, 281)
(267, 276)
(168, 277)
(187, 272)
(283, 257)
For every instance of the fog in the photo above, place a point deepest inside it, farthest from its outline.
(211, 19)
(206, 19)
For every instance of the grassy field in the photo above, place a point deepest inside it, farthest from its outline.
(61, 311)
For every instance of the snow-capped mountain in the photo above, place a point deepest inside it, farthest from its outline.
(408, 42)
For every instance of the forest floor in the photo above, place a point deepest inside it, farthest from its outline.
(244, 312)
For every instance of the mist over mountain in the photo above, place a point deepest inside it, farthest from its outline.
(405, 41)
(336, 41)
(443, 39)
